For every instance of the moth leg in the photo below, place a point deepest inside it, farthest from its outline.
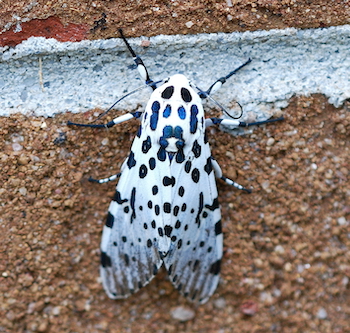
(237, 123)
(139, 63)
(115, 121)
(218, 83)
(218, 174)
(105, 180)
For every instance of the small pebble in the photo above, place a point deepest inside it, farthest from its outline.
(321, 313)
(189, 24)
(17, 147)
(342, 220)
(270, 141)
(182, 313)
(220, 303)
(249, 308)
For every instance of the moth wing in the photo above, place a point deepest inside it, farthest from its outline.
(131, 245)
(194, 257)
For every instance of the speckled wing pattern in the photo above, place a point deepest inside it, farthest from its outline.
(194, 257)
(130, 246)
(165, 209)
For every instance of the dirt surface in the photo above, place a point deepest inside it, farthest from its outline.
(154, 17)
(286, 266)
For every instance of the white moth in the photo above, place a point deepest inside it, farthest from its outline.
(165, 210)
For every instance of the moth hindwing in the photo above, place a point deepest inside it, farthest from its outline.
(165, 210)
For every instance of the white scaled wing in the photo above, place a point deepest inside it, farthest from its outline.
(132, 242)
(195, 253)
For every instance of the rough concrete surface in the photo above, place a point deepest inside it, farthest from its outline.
(94, 74)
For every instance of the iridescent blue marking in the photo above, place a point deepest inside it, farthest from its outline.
(163, 142)
(193, 119)
(182, 112)
(161, 154)
(178, 132)
(155, 115)
(167, 131)
(167, 111)
(139, 132)
(180, 156)
(180, 144)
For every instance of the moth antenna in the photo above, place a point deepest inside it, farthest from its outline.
(203, 94)
(139, 63)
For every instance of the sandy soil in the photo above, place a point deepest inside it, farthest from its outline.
(287, 262)
(286, 244)
(154, 17)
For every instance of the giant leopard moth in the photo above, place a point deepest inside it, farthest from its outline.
(165, 210)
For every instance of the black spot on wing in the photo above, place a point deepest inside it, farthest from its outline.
(195, 175)
(215, 267)
(154, 189)
(117, 198)
(193, 119)
(157, 210)
(131, 160)
(218, 229)
(132, 203)
(186, 95)
(143, 171)
(168, 230)
(167, 181)
(105, 260)
(195, 265)
(146, 145)
(126, 259)
(188, 166)
(208, 167)
(167, 207)
(181, 191)
(196, 148)
(214, 205)
(200, 208)
(168, 92)
(152, 163)
(176, 210)
(110, 220)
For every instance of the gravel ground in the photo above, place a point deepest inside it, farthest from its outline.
(286, 264)
(154, 17)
